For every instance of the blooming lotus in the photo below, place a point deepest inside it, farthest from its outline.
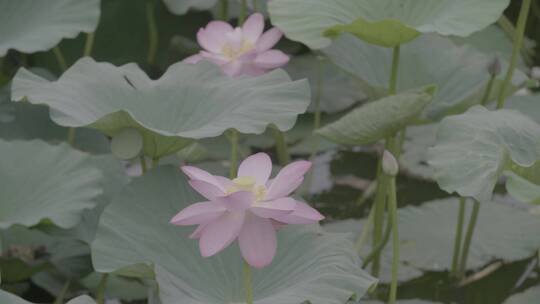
(242, 50)
(249, 208)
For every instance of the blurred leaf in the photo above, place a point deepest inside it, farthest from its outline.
(474, 148)
(45, 182)
(427, 232)
(379, 119)
(522, 189)
(117, 287)
(529, 296)
(30, 26)
(115, 98)
(307, 20)
(182, 273)
(180, 7)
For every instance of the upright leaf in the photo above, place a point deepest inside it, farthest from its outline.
(474, 148)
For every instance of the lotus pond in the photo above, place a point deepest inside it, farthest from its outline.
(269, 151)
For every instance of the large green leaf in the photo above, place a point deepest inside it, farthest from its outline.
(427, 236)
(522, 189)
(334, 89)
(307, 20)
(474, 148)
(528, 105)
(44, 182)
(134, 230)
(188, 101)
(378, 119)
(529, 296)
(413, 159)
(30, 26)
(459, 72)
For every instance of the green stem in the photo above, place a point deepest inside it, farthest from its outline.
(487, 92)
(152, 32)
(254, 3)
(144, 168)
(89, 44)
(247, 283)
(378, 219)
(520, 34)
(71, 136)
(281, 146)
(100, 294)
(392, 207)
(60, 58)
(377, 249)
(243, 13)
(381, 183)
(365, 231)
(458, 237)
(468, 238)
(234, 153)
(392, 89)
(63, 292)
(224, 10)
(155, 162)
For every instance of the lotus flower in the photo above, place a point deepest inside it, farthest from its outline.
(243, 50)
(249, 208)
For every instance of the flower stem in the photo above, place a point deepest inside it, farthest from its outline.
(224, 10)
(89, 44)
(254, 3)
(234, 153)
(60, 58)
(487, 92)
(281, 146)
(71, 136)
(155, 162)
(468, 238)
(365, 231)
(152, 32)
(392, 208)
(518, 42)
(458, 237)
(62, 295)
(377, 249)
(100, 294)
(243, 13)
(247, 283)
(380, 196)
(144, 168)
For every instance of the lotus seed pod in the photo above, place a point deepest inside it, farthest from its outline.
(389, 164)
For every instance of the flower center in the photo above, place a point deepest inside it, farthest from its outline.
(247, 183)
(232, 53)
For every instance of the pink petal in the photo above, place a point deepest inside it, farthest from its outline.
(193, 59)
(209, 191)
(258, 166)
(303, 214)
(277, 224)
(271, 59)
(268, 39)
(198, 213)
(288, 179)
(274, 209)
(198, 174)
(215, 58)
(258, 242)
(213, 36)
(196, 234)
(253, 27)
(237, 201)
(234, 39)
(219, 234)
(225, 182)
(233, 68)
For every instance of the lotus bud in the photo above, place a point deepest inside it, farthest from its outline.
(389, 164)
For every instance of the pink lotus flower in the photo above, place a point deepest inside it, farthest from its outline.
(240, 51)
(251, 208)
